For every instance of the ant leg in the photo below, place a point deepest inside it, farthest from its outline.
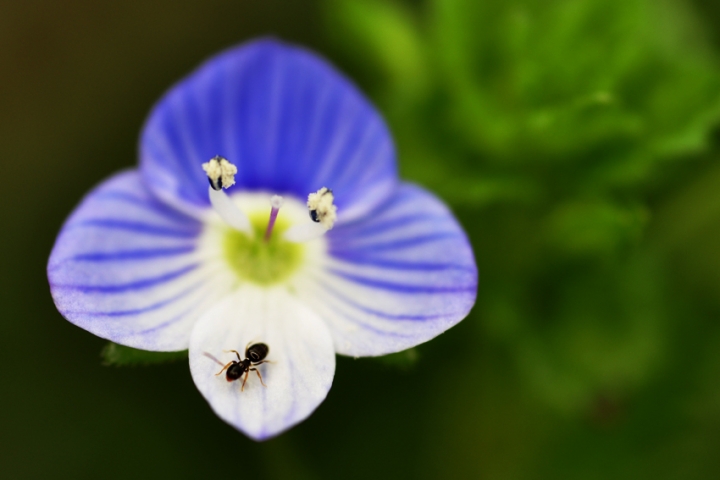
(236, 353)
(260, 363)
(258, 374)
(223, 369)
(247, 372)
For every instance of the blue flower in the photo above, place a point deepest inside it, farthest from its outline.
(197, 250)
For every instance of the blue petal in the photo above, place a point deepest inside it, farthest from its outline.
(395, 278)
(289, 121)
(127, 268)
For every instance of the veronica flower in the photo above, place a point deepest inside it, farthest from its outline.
(266, 209)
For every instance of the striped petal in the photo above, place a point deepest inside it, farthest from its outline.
(394, 279)
(127, 268)
(301, 354)
(288, 121)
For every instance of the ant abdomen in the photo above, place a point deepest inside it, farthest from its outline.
(257, 352)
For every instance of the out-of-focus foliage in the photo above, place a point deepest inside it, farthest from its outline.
(400, 360)
(122, 356)
(569, 136)
(540, 98)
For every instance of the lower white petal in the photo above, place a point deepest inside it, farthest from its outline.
(301, 354)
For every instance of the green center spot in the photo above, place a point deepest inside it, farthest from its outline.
(263, 262)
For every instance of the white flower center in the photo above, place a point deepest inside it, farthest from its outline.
(264, 238)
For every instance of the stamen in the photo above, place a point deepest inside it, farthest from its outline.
(276, 202)
(321, 207)
(228, 211)
(220, 172)
(323, 213)
(304, 232)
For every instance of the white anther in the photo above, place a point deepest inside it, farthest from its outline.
(276, 201)
(321, 207)
(220, 172)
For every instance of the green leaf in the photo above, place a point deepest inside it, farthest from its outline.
(122, 356)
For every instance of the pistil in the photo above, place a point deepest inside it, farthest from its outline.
(276, 202)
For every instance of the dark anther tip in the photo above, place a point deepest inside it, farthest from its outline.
(215, 185)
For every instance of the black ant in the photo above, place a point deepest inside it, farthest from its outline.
(254, 355)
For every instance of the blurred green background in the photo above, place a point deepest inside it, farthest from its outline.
(577, 141)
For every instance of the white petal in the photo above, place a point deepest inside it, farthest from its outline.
(228, 211)
(301, 352)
